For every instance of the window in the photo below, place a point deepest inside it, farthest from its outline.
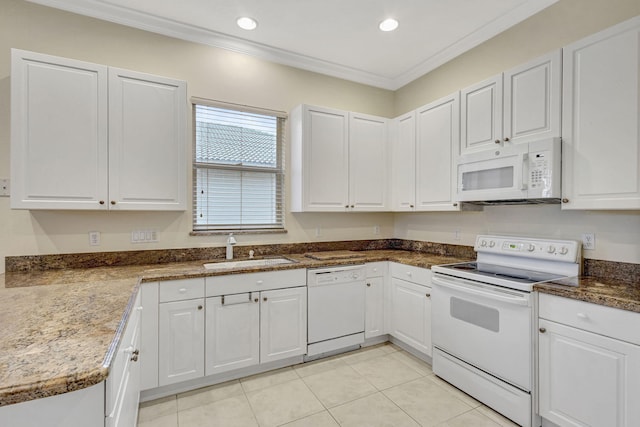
(238, 172)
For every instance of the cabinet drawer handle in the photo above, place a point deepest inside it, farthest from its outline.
(543, 330)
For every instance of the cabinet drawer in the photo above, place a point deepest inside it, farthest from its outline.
(410, 273)
(251, 282)
(376, 269)
(612, 322)
(178, 290)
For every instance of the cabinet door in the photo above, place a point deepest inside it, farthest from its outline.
(233, 332)
(58, 133)
(149, 335)
(411, 314)
(437, 144)
(147, 141)
(181, 341)
(325, 168)
(374, 308)
(368, 162)
(283, 323)
(587, 379)
(532, 94)
(601, 120)
(481, 115)
(403, 163)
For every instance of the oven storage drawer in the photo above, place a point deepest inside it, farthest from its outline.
(504, 398)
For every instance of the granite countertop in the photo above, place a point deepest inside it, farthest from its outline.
(602, 291)
(61, 327)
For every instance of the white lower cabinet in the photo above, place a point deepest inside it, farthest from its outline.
(411, 307)
(587, 378)
(181, 341)
(375, 296)
(233, 332)
(283, 323)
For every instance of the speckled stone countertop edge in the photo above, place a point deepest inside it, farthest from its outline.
(193, 269)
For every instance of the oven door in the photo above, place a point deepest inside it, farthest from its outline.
(486, 326)
(498, 174)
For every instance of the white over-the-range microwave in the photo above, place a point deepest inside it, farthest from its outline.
(514, 174)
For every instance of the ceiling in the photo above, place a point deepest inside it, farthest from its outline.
(339, 38)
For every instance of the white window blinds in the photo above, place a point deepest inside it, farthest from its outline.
(238, 168)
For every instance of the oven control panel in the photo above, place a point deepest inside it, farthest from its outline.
(559, 250)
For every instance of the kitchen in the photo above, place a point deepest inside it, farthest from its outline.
(241, 79)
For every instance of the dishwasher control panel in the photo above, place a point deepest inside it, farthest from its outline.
(335, 275)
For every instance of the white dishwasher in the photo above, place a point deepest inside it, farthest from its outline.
(335, 308)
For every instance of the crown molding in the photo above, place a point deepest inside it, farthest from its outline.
(167, 27)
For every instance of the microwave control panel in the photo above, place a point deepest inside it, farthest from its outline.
(543, 160)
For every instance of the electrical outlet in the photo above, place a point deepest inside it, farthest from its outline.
(456, 235)
(588, 241)
(318, 231)
(4, 187)
(376, 229)
(94, 238)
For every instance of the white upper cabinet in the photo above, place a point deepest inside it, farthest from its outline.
(320, 159)
(532, 99)
(58, 133)
(339, 161)
(520, 105)
(86, 136)
(437, 142)
(368, 162)
(481, 126)
(601, 120)
(147, 120)
(403, 162)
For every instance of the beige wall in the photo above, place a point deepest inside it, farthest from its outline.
(227, 76)
(617, 233)
(210, 73)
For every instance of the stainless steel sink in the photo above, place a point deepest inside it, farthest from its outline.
(266, 262)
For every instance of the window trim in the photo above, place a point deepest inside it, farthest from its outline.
(279, 171)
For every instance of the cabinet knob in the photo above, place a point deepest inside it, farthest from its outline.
(113, 202)
(136, 352)
(368, 285)
(199, 307)
(506, 139)
(352, 206)
(346, 206)
(455, 205)
(101, 202)
(256, 300)
(543, 330)
(565, 200)
(134, 358)
(410, 206)
(264, 299)
(497, 141)
(428, 295)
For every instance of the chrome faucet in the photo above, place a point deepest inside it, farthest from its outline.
(231, 241)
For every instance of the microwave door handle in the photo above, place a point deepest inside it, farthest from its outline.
(525, 172)
(495, 295)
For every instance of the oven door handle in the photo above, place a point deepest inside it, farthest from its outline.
(496, 294)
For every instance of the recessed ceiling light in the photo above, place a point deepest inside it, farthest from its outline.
(388, 24)
(247, 23)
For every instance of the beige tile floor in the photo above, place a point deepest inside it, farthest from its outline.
(376, 386)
